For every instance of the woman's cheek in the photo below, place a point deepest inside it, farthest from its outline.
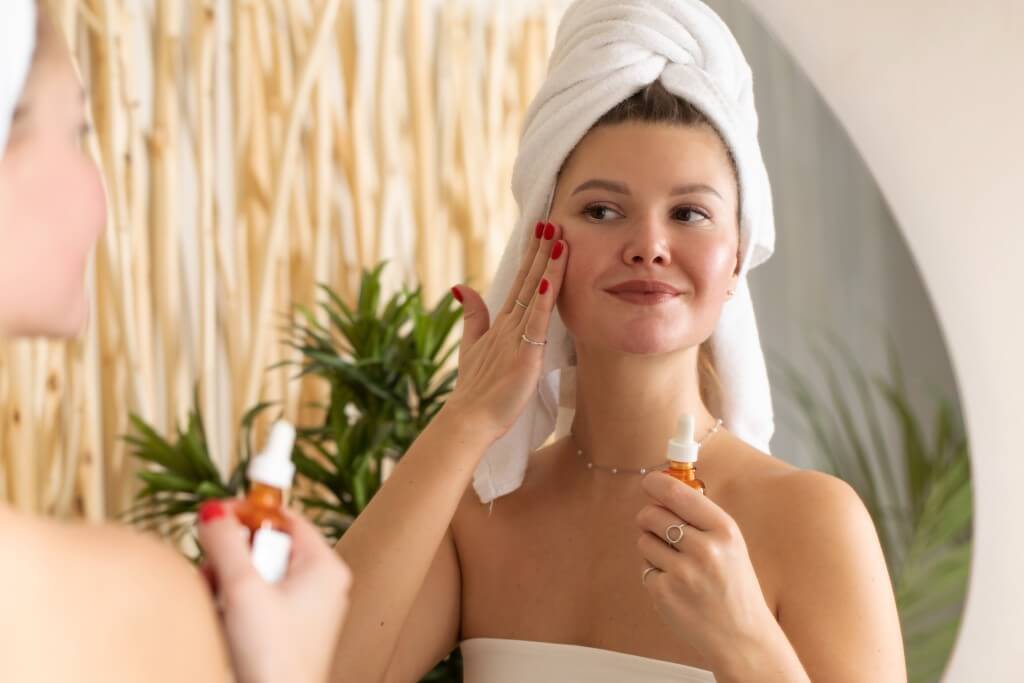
(572, 300)
(55, 208)
(709, 265)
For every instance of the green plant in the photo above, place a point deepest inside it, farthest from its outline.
(385, 368)
(179, 473)
(922, 513)
(384, 364)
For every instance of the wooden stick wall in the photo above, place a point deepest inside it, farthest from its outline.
(252, 149)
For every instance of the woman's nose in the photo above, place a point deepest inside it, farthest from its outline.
(648, 245)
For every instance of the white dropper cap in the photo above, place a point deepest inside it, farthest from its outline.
(274, 466)
(682, 447)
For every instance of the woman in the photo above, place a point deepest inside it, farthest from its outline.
(101, 603)
(640, 157)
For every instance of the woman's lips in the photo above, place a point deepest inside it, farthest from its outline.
(644, 298)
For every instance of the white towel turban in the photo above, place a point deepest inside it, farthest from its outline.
(606, 51)
(17, 45)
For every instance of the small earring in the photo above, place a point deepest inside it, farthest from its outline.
(730, 292)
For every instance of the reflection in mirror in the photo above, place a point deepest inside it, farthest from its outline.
(642, 213)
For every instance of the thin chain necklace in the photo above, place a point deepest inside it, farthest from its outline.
(643, 470)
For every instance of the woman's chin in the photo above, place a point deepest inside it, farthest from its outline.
(648, 345)
(66, 323)
(76, 320)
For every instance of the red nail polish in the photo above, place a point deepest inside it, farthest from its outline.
(539, 230)
(549, 231)
(210, 510)
(544, 284)
(556, 251)
(457, 294)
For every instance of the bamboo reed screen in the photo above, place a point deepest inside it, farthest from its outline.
(252, 149)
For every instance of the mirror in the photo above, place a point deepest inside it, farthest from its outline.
(842, 270)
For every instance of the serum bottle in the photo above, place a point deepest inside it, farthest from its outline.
(682, 455)
(270, 475)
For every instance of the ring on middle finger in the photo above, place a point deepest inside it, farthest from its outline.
(533, 342)
(674, 533)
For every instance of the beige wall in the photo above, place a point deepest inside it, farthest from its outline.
(932, 95)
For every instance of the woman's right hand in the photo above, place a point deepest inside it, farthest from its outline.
(280, 632)
(498, 370)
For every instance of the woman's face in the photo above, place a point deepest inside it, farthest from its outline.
(52, 206)
(650, 215)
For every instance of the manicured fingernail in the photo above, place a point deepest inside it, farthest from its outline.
(539, 230)
(544, 284)
(556, 251)
(549, 231)
(457, 294)
(210, 510)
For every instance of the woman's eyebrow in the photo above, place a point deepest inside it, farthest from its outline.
(599, 184)
(694, 188)
(621, 188)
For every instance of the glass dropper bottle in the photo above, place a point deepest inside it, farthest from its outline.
(682, 454)
(270, 475)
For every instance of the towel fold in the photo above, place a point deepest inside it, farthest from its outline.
(606, 51)
(17, 46)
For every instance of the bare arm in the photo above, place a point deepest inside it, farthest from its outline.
(406, 579)
(838, 610)
(402, 556)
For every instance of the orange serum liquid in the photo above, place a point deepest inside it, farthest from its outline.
(270, 475)
(682, 455)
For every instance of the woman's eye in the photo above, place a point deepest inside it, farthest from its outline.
(599, 212)
(690, 215)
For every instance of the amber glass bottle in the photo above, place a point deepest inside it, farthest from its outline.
(686, 473)
(682, 455)
(270, 475)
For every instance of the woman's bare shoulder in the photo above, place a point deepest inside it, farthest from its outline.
(788, 493)
(805, 510)
(102, 598)
(822, 507)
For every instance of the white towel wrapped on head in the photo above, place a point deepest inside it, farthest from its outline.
(17, 46)
(606, 51)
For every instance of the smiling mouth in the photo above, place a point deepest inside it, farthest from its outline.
(644, 297)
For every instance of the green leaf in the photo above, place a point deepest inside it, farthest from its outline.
(152, 447)
(160, 481)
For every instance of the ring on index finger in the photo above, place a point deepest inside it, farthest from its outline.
(520, 303)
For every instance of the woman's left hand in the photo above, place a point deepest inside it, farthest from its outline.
(703, 586)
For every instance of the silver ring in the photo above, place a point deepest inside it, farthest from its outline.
(534, 343)
(520, 303)
(677, 527)
(643, 577)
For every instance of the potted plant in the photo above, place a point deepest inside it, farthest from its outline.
(386, 373)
